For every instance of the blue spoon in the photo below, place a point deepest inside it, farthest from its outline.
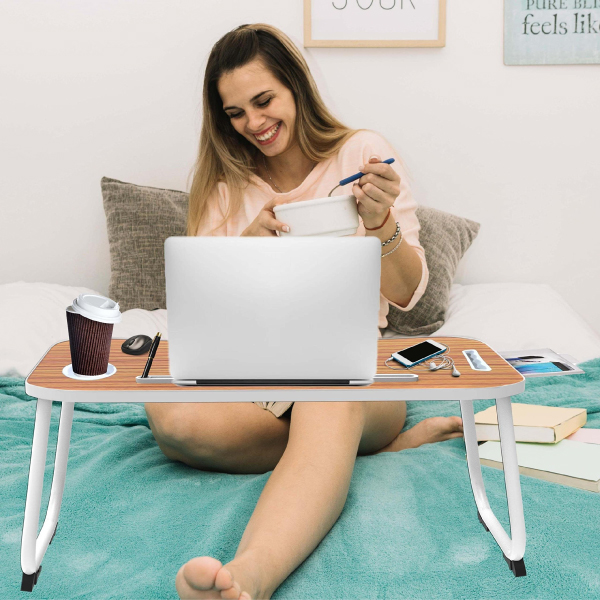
(358, 175)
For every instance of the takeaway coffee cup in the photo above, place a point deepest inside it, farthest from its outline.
(330, 216)
(90, 320)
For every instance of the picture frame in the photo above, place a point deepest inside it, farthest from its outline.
(551, 32)
(374, 23)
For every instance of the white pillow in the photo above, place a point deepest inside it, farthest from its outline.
(517, 316)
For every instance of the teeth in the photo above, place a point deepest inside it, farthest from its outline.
(268, 136)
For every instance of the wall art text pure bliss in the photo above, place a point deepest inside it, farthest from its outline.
(551, 32)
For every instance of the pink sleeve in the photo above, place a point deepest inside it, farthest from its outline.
(216, 210)
(403, 211)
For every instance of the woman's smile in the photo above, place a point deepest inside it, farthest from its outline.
(269, 135)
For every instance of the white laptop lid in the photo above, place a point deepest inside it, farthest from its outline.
(272, 307)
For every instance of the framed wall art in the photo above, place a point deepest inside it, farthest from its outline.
(374, 23)
(551, 32)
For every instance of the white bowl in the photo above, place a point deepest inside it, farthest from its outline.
(331, 216)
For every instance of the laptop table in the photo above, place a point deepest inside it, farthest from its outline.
(47, 383)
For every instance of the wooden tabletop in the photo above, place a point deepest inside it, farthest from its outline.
(47, 377)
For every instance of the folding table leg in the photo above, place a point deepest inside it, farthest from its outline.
(513, 549)
(34, 546)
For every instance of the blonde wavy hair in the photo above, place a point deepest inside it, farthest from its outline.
(225, 155)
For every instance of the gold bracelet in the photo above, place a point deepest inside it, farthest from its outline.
(395, 247)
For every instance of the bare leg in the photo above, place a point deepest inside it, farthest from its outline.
(428, 431)
(298, 506)
(305, 494)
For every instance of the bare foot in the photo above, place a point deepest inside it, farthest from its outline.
(428, 431)
(205, 577)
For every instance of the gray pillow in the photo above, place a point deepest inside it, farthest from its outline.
(445, 239)
(139, 220)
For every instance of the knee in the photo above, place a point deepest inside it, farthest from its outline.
(175, 435)
(384, 422)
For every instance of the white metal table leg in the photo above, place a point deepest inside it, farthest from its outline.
(33, 547)
(514, 548)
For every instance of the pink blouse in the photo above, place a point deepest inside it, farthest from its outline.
(355, 152)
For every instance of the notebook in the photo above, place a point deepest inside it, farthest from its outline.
(273, 311)
(576, 464)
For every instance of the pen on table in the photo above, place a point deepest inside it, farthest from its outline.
(151, 355)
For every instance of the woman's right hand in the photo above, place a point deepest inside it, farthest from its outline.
(266, 223)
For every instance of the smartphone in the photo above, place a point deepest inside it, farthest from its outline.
(413, 355)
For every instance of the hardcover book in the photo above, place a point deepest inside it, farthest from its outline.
(532, 423)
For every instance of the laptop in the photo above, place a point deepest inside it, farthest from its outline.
(272, 310)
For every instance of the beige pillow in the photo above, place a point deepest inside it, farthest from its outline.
(445, 239)
(139, 219)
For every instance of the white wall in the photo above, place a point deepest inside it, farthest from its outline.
(113, 88)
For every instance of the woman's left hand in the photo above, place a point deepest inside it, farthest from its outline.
(376, 191)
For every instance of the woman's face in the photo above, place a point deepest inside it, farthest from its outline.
(258, 104)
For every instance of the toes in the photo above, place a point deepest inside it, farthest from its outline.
(207, 573)
(224, 581)
(201, 572)
(233, 593)
(453, 424)
(456, 428)
(184, 590)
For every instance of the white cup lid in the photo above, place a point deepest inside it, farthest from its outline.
(97, 308)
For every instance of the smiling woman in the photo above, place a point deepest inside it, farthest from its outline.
(267, 138)
(262, 116)
(267, 119)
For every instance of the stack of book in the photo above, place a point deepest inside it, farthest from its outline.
(551, 444)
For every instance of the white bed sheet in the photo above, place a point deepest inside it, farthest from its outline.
(506, 316)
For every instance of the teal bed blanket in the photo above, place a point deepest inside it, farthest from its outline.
(131, 517)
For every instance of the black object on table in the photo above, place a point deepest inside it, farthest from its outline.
(137, 345)
(151, 354)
